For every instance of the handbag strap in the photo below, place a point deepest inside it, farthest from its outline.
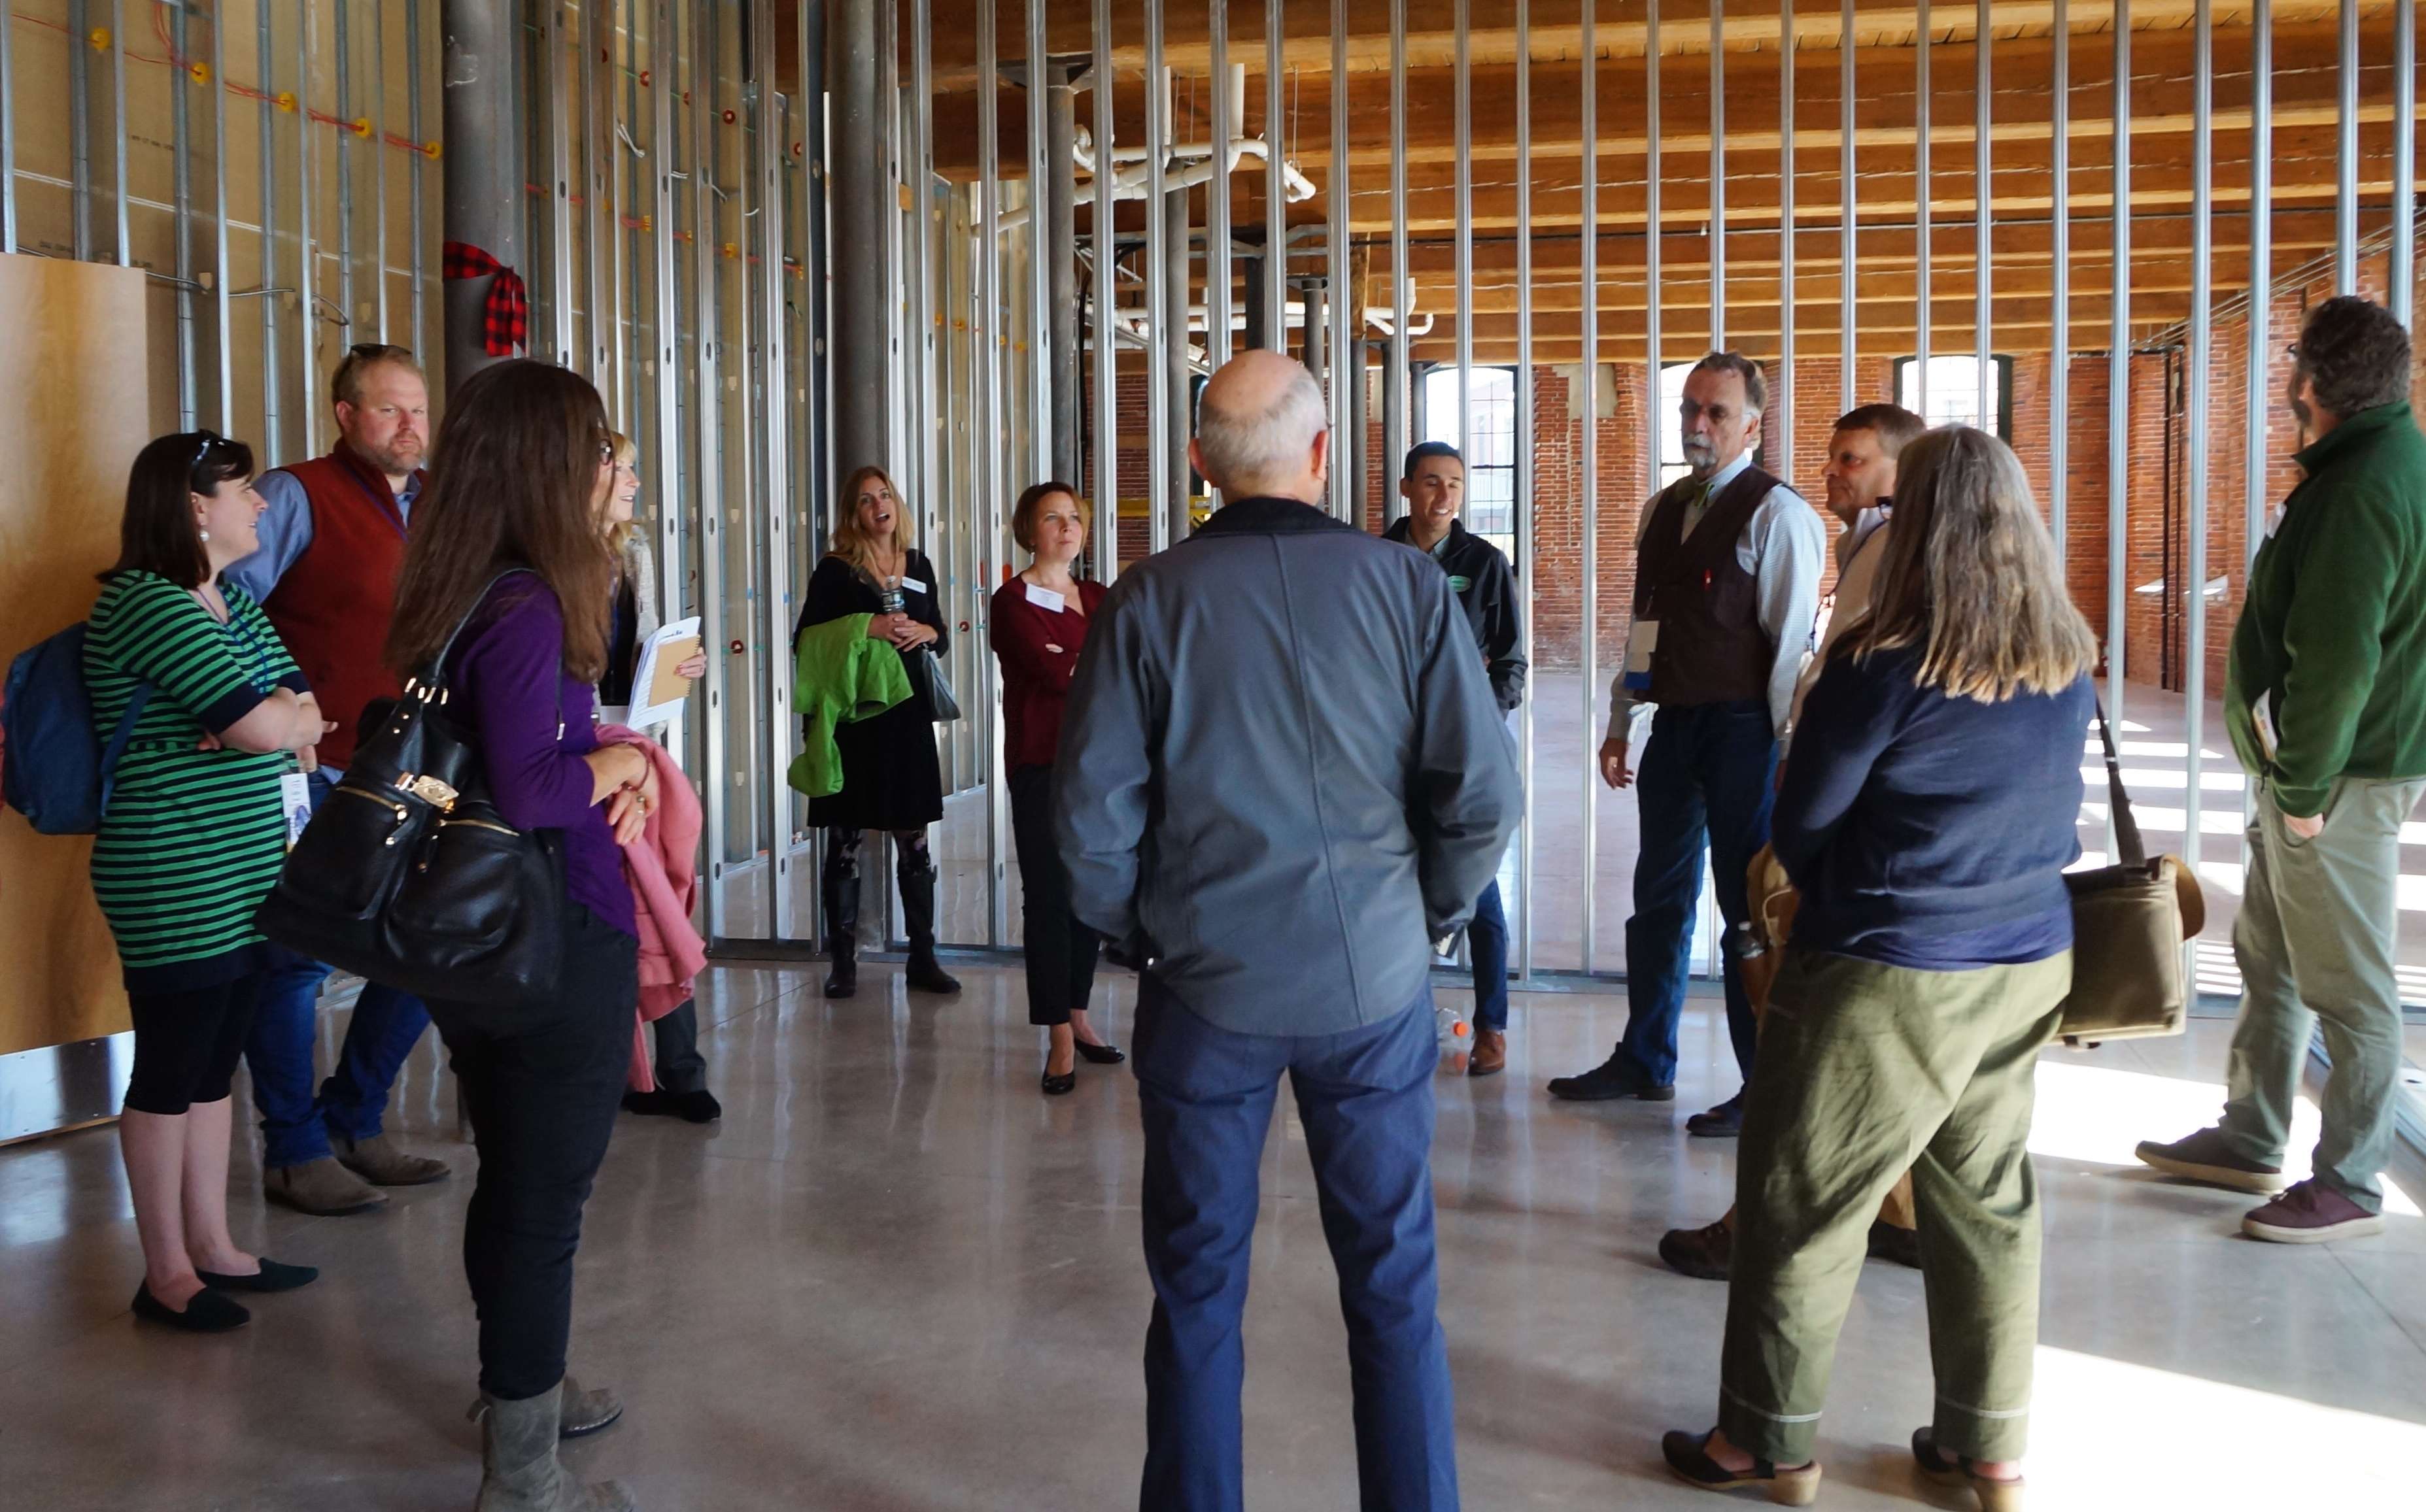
(2133, 851)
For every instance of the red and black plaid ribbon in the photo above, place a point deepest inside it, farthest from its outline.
(505, 316)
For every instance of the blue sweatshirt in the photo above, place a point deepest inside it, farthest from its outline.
(1931, 831)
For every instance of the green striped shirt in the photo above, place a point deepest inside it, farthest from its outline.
(193, 839)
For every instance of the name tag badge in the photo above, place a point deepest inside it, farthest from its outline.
(1046, 600)
(1458, 584)
(911, 584)
(1641, 640)
(295, 798)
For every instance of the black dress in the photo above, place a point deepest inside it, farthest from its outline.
(891, 777)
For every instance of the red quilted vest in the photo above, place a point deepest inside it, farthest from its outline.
(333, 606)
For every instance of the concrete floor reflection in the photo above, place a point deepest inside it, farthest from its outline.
(895, 1279)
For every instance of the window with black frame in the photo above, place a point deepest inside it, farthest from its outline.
(1490, 444)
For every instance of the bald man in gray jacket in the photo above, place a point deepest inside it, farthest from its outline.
(1282, 777)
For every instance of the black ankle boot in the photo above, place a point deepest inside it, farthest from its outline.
(924, 972)
(839, 882)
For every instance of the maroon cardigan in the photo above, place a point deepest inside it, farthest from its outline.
(1040, 655)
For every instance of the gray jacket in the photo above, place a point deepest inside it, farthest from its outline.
(1282, 773)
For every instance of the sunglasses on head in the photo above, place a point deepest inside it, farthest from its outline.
(369, 350)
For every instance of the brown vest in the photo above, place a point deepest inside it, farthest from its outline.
(1711, 649)
(333, 606)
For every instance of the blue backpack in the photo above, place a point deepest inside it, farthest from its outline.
(56, 772)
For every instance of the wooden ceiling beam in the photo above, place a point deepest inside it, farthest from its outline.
(1749, 26)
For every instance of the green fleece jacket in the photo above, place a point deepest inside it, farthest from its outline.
(838, 675)
(2335, 627)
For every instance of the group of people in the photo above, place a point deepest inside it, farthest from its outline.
(1283, 780)
(256, 626)
(1271, 766)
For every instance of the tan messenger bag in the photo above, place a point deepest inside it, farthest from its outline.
(2130, 977)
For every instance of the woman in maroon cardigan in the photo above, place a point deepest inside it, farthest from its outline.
(1039, 622)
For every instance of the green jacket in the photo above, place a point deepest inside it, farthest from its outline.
(838, 675)
(2334, 625)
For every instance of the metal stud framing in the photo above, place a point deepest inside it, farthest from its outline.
(678, 256)
(1587, 399)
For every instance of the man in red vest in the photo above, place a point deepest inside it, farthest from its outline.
(332, 545)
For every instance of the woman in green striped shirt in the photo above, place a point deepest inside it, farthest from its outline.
(191, 843)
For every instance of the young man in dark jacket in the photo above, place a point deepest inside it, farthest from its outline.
(1433, 485)
(2326, 698)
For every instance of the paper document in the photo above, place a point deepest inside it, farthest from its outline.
(2261, 713)
(657, 688)
(295, 797)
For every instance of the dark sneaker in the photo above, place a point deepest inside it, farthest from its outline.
(1689, 1458)
(2206, 1157)
(1887, 1242)
(2311, 1214)
(1725, 1121)
(1615, 1077)
(1705, 1254)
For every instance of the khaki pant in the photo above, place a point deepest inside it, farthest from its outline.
(1870, 1071)
(1773, 904)
(2314, 942)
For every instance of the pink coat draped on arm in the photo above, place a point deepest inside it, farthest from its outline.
(663, 868)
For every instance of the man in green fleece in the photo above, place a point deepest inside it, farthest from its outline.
(2326, 700)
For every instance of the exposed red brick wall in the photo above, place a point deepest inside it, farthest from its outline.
(2157, 534)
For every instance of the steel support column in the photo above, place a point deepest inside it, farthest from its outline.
(861, 191)
(481, 206)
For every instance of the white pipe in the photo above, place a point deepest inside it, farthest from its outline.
(1128, 182)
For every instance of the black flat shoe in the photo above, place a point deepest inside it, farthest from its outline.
(648, 1104)
(1063, 1084)
(695, 1107)
(1099, 1055)
(1689, 1458)
(272, 1277)
(208, 1313)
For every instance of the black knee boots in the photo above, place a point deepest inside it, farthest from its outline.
(839, 882)
(916, 876)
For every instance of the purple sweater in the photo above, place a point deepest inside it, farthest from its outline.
(533, 737)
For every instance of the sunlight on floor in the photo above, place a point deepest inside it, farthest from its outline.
(2112, 1433)
(2098, 1113)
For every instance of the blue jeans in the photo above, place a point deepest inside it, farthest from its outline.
(1365, 1097)
(1486, 939)
(296, 1125)
(1706, 778)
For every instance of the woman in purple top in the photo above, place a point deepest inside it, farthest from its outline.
(524, 470)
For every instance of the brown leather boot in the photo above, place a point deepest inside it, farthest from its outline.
(1490, 1056)
(320, 1187)
(378, 1161)
(1705, 1254)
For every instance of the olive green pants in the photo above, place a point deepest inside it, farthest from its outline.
(2319, 920)
(1876, 1069)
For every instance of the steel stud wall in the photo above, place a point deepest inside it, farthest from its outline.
(679, 246)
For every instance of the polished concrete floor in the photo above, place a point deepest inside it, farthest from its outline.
(895, 1280)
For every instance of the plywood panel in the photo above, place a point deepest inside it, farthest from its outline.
(74, 409)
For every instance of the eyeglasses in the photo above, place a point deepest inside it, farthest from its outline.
(207, 439)
(366, 350)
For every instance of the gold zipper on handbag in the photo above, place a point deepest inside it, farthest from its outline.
(478, 824)
(398, 810)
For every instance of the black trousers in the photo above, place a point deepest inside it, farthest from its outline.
(1061, 950)
(542, 1086)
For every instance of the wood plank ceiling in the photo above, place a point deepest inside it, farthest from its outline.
(2023, 48)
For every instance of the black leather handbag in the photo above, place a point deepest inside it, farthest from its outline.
(409, 877)
(2129, 924)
